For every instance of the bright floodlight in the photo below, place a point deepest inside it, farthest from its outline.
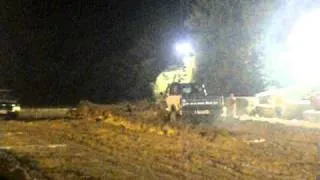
(304, 52)
(184, 49)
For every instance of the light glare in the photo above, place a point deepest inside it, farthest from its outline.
(303, 48)
(184, 49)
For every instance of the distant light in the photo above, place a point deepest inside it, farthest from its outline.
(303, 53)
(184, 49)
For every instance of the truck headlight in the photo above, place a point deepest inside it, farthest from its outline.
(16, 108)
(183, 101)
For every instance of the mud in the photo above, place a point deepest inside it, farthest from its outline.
(132, 141)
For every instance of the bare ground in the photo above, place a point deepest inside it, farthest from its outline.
(106, 142)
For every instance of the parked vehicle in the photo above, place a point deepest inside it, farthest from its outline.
(9, 105)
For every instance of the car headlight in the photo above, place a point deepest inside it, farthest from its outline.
(16, 108)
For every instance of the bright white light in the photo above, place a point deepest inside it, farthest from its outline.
(184, 49)
(303, 48)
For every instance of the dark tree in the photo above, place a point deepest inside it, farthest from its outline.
(227, 35)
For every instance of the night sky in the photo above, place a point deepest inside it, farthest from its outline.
(50, 49)
(112, 23)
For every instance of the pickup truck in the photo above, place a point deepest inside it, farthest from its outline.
(191, 100)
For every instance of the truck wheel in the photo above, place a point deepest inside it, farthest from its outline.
(162, 105)
(12, 116)
(214, 117)
(278, 112)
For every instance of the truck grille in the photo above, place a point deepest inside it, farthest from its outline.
(197, 107)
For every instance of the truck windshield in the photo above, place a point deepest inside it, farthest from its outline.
(191, 89)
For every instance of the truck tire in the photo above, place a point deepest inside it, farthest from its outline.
(214, 117)
(12, 116)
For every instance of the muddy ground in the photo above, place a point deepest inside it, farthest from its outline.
(120, 142)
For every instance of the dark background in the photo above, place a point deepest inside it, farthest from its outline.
(58, 52)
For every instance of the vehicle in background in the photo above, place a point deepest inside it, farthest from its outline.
(245, 105)
(315, 99)
(192, 101)
(286, 103)
(9, 105)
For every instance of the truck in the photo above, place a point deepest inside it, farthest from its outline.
(191, 101)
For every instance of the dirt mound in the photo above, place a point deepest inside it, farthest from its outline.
(89, 111)
(141, 110)
(143, 117)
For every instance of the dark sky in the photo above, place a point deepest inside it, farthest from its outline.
(51, 48)
(110, 22)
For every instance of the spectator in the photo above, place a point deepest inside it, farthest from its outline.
(278, 106)
(315, 101)
(232, 106)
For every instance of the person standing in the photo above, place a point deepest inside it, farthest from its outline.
(232, 110)
(278, 106)
(315, 101)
